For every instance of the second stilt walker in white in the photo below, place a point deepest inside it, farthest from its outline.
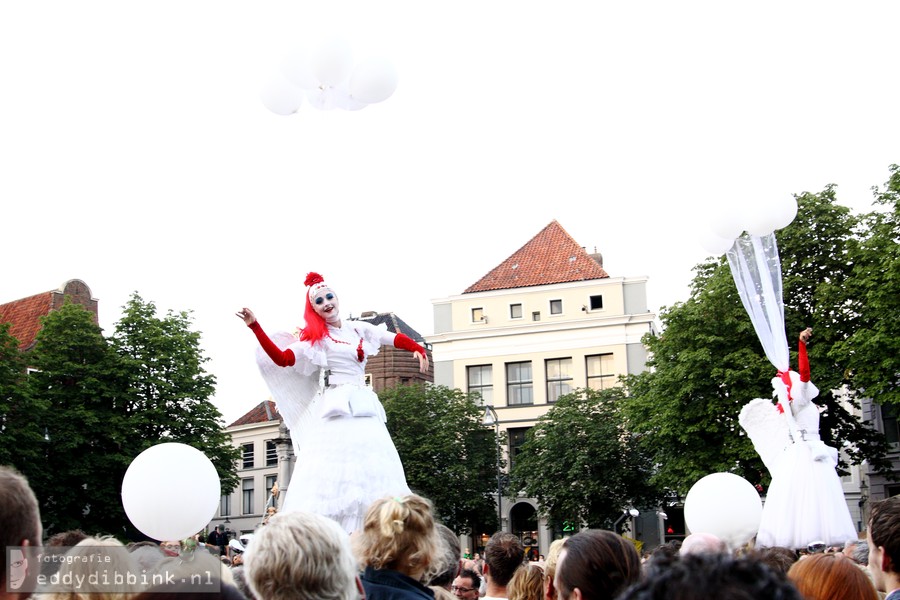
(345, 456)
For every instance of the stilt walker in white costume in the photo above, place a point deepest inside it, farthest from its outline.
(805, 501)
(345, 456)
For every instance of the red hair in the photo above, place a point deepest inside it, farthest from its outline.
(316, 328)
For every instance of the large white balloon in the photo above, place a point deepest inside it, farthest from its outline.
(786, 212)
(170, 491)
(281, 97)
(297, 68)
(728, 223)
(714, 244)
(332, 62)
(373, 80)
(725, 505)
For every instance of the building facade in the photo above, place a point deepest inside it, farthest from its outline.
(546, 321)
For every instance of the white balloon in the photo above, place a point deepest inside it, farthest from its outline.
(714, 244)
(727, 224)
(785, 212)
(322, 98)
(343, 99)
(170, 491)
(332, 63)
(760, 219)
(373, 80)
(281, 97)
(725, 505)
(296, 66)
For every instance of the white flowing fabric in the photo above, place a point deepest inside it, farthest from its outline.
(805, 501)
(345, 456)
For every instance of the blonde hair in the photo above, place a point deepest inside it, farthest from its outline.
(399, 534)
(527, 583)
(97, 579)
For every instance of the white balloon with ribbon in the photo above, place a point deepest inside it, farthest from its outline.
(170, 491)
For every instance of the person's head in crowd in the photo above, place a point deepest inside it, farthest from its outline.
(170, 547)
(778, 558)
(185, 591)
(66, 538)
(146, 554)
(527, 583)
(596, 565)
(97, 579)
(503, 554)
(550, 568)
(662, 557)
(451, 560)
(831, 576)
(861, 554)
(239, 575)
(702, 542)
(466, 585)
(721, 576)
(20, 525)
(301, 556)
(399, 534)
(883, 539)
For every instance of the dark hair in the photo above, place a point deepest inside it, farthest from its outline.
(503, 554)
(716, 575)
(470, 574)
(884, 527)
(777, 558)
(831, 576)
(600, 563)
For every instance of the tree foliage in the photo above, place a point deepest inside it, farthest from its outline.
(708, 362)
(88, 405)
(448, 455)
(581, 463)
(871, 352)
(168, 390)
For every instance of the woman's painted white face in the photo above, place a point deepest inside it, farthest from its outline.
(326, 305)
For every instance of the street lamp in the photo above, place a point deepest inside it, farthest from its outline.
(491, 418)
(628, 512)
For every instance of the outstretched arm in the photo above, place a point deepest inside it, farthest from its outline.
(282, 358)
(802, 358)
(404, 342)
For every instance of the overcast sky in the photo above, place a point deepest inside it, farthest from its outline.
(136, 155)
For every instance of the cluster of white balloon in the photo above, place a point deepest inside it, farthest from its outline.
(327, 78)
(725, 505)
(760, 219)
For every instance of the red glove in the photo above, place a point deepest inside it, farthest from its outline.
(404, 342)
(282, 358)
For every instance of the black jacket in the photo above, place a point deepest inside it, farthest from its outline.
(382, 584)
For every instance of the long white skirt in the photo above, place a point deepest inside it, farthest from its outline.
(344, 463)
(805, 502)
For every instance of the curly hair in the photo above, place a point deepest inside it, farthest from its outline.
(399, 534)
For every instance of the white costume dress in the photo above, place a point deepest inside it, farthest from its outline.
(805, 501)
(345, 456)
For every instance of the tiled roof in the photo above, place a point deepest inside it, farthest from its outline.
(261, 413)
(552, 256)
(25, 316)
(394, 324)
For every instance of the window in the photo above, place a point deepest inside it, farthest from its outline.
(559, 378)
(889, 424)
(556, 307)
(480, 381)
(477, 315)
(516, 437)
(515, 311)
(518, 384)
(600, 371)
(247, 489)
(247, 455)
(596, 302)
(271, 453)
(225, 506)
(270, 483)
(536, 316)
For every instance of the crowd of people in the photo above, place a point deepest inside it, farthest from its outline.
(403, 553)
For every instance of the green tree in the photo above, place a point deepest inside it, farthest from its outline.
(448, 455)
(79, 381)
(871, 352)
(169, 390)
(708, 362)
(582, 464)
(21, 435)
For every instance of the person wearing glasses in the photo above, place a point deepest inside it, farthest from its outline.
(345, 456)
(466, 585)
